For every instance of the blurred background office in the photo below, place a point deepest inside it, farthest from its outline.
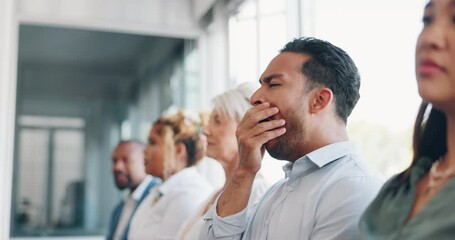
(77, 76)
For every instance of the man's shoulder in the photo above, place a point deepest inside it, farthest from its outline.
(350, 172)
(353, 166)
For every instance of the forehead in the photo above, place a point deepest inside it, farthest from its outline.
(286, 62)
(124, 148)
(154, 130)
(440, 3)
(219, 114)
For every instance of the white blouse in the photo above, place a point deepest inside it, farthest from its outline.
(168, 205)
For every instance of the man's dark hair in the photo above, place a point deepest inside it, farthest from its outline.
(331, 67)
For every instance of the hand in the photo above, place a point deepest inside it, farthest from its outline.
(252, 133)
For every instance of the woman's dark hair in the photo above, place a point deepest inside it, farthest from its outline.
(430, 139)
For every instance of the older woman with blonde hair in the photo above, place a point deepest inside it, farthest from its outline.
(228, 109)
(174, 148)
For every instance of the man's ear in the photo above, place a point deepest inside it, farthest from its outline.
(321, 99)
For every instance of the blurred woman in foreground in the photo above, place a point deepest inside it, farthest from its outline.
(418, 203)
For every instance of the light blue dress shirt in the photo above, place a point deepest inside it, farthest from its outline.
(322, 197)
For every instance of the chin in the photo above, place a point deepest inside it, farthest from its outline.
(121, 186)
(435, 97)
(274, 150)
(210, 154)
(270, 145)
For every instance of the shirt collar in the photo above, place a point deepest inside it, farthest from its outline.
(317, 159)
(137, 193)
(176, 180)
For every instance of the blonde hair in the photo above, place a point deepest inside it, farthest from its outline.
(182, 127)
(235, 102)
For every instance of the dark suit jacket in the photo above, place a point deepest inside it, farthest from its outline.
(119, 208)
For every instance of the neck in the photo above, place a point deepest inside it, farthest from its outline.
(450, 157)
(323, 135)
(181, 164)
(132, 188)
(136, 184)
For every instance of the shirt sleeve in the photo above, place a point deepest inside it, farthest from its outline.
(228, 228)
(339, 211)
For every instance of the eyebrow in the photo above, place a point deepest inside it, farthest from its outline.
(269, 78)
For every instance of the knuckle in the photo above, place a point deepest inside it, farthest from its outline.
(238, 132)
(256, 118)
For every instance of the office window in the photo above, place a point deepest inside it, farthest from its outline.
(380, 36)
(257, 31)
(50, 186)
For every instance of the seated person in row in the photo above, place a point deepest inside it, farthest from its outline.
(418, 203)
(300, 115)
(228, 109)
(129, 172)
(174, 148)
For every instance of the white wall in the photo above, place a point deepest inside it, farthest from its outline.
(214, 53)
(8, 41)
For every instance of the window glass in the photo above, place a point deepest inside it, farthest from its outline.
(68, 187)
(243, 49)
(50, 194)
(30, 200)
(380, 36)
(273, 36)
(255, 37)
(271, 6)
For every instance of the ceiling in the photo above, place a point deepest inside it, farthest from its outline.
(62, 63)
(50, 45)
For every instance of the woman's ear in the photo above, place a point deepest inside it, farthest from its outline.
(181, 156)
(321, 99)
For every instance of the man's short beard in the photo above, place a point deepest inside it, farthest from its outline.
(287, 144)
(122, 187)
(283, 148)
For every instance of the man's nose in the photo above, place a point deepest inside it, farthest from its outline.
(117, 166)
(257, 97)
